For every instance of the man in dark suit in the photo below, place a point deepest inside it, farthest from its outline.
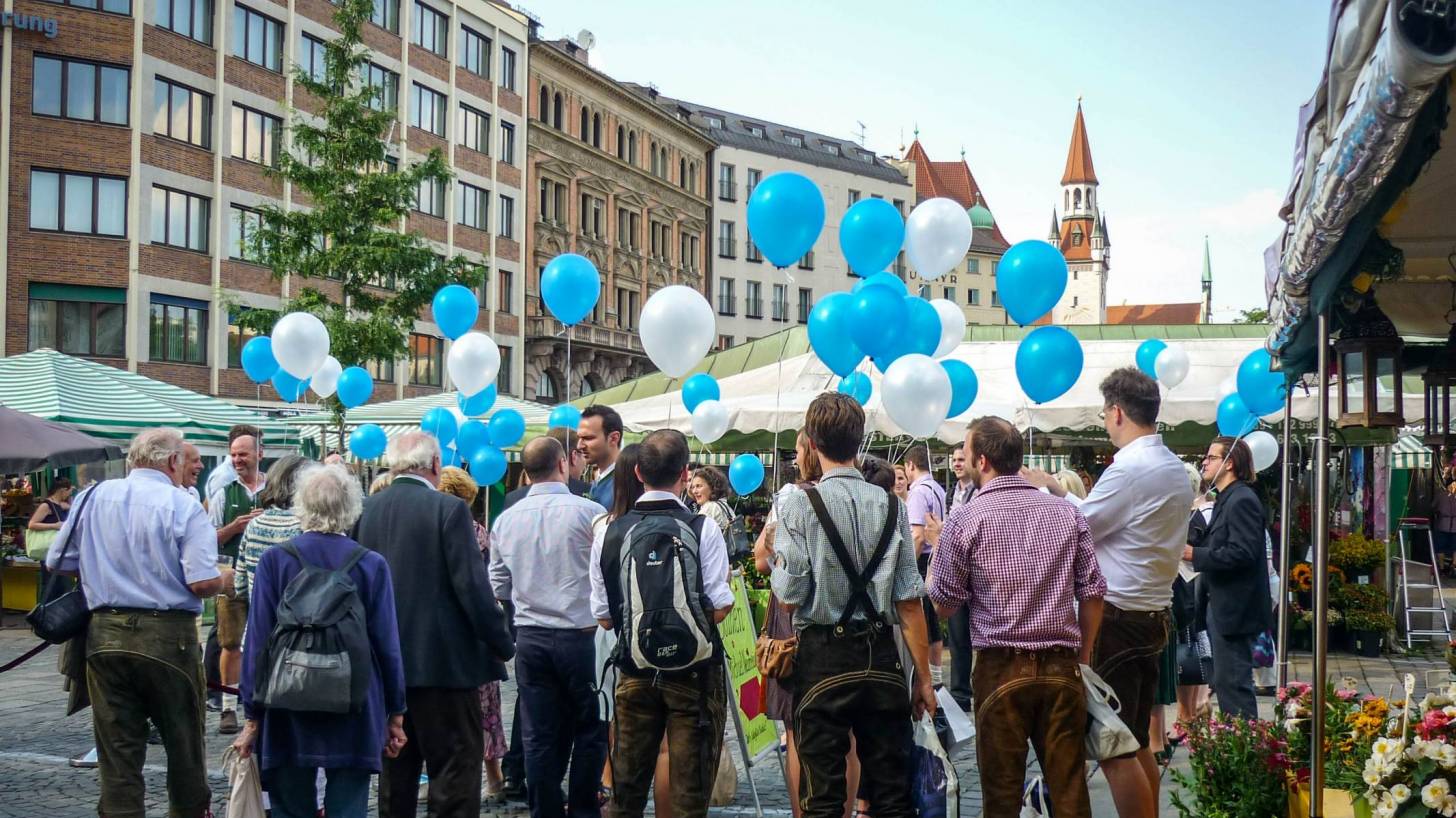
(452, 632)
(960, 622)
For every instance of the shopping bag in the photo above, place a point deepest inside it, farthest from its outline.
(725, 782)
(38, 543)
(1033, 800)
(961, 729)
(1107, 736)
(1264, 650)
(934, 789)
(246, 798)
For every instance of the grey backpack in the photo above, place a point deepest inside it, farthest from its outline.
(318, 657)
(666, 623)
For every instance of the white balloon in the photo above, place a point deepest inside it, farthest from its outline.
(678, 329)
(1171, 366)
(1226, 387)
(326, 379)
(473, 362)
(916, 392)
(300, 344)
(937, 236)
(710, 421)
(952, 326)
(1264, 447)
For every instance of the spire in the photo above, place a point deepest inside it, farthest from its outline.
(1054, 236)
(1207, 264)
(1079, 154)
(1105, 238)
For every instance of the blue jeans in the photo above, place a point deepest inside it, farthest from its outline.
(560, 720)
(293, 792)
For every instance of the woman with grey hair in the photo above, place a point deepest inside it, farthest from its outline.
(293, 745)
(277, 524)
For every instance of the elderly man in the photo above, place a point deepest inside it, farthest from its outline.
(191, 467)
(452, 632)
(232, 507)
(147, 556)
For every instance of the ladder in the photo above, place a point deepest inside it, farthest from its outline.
(1405, 535)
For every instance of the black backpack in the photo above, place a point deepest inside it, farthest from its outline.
(664, 624)
(318, 657)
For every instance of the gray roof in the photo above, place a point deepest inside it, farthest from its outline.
(816, 149)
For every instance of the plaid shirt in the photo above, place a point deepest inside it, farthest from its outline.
(1018, 557)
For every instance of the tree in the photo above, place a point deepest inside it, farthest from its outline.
(1256, 315)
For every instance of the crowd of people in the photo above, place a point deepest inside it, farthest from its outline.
(367, 636)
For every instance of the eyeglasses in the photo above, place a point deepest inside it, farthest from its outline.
(1209, 457)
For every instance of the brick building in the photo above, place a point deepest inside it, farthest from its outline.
(133, 145)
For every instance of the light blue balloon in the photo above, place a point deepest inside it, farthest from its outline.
(439, 422)
(455, 310)
(1030, 279)
(882, 361)
(857, 385)
(785, 215)
(963, 386)
(1261, 388)
(870, 235)
(472, 435)
(1048, 363)
(922, 326)
(288, 387)
(745, 473)
(877, 317)
(882, 279)
(477, 404)
(487, 465)
(506, 428)
(829, 334)
(450, 456)
(1147, 356)
(699, 388)
(355, 386)
(1234, 417)
(564, 416)
(368, 441)
(570, 286)
(258, 361)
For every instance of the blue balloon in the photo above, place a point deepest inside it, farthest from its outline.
(922, 326)
(870, 235)
(258, 361)
(963, 386)
(882, 279)
(355, 386)
(829, 334)
(288, 387)
(472, 435)
(857, 385)
(1031, 279)
(367, 442)
(745, 473)
(1261, 388)
(439, 422)
(699, 388)
(877, 317)
(477, 404)
(785, 215)
(570, 287)
(564, 416)
(1048, 363)
(1234, 417)
(883, 360)
(1147, 356)
(487, 465)
(455, 310)
(506, 428)
(450, 456)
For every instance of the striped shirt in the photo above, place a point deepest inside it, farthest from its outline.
(273, 527)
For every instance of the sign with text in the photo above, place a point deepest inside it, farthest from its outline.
(739, 638)
(30, 22)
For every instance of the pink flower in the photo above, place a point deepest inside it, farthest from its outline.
(1345, 695)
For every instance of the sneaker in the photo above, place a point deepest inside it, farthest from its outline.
(227, 723)
(214, 704)
(86, 760)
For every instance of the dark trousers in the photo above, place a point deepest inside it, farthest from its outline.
(961, 657)
(851, 683)
(1233, 669)
(1026, 696)
(561, 722)
(513, 765)
(144, 666)
(293, 792)
(445, 738)
(689, 710)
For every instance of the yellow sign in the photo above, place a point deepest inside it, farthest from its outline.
(739, 638)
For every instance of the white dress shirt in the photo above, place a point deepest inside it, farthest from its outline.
(1138, 513)
(537, 550)
(712, 559)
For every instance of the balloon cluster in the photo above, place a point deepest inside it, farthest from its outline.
(1163, 362)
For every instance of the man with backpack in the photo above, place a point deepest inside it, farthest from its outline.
(659, 577)
(845, 565)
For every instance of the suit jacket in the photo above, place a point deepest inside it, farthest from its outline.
(1231, 561)
(451, 631)
(580, 488)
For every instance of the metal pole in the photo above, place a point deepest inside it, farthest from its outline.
(1285, 469)
(1320, 538)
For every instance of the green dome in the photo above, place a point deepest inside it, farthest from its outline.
(981, 218)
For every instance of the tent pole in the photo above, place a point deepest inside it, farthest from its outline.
(1321, 571)
(1285, 469)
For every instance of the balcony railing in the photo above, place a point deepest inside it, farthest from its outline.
(546, 327)
(753, 307)
(780, 310)
(726, 190)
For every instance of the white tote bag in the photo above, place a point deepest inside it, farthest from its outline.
(1107, 736)
(935, 790)
(962, 730)
(1033, 799)
(246, 798)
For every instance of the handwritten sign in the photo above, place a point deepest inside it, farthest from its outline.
(739, 637)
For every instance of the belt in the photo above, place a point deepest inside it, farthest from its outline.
(1056, 650)
(164, 614)
(1109, 609)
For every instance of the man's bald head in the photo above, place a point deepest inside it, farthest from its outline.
(544, 460)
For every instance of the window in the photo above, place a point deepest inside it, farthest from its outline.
(386, 85)
(806, 302)
(243, 229)
(181, 113)
(1074, 274)
(382, 371)
(78, 320)
(75, 89)
(311, 56)
(924, 291)
(505, 294)
(179, 330)
(556, 111)
(900, 265)
(726, 305)
(995, 299)
(753, 300)
(750, 250)
(110, 6)
(973, 266)
(474, 129)
(430, 197)
(725, 183)
(754, 129)
(508, 73)
(593, 216)
(237, 338)
(386, 16)
(77, 203)
(1077, 236)
(427, 110)
(503, 377)
(853, 196)
(596, 130)
(1075, 299)
(472, 206)
(255, 135)
(190, 18)
(993, 269)
(973, 298)
(797, 140)
(714, 122)
(507, 217)
(257, 38)
(627, 308)
(475, 56)
(431, 29)
(725, 239)
(781, 302)
(621, 142)
(899, 206)
(754, 177)
(829, 147)
(180, 219)
(725, 342)
(585, 125)
(632, 147)
(508, 143)
(689, 251)
(948, 293)
(807, 262)
(426, 359)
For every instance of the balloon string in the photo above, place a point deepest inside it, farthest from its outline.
(568, 364)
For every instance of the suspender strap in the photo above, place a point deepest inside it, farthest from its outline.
(859, 596)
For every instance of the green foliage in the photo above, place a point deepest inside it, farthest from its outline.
(1237, 769)
(1258, 315)
(1356, 553)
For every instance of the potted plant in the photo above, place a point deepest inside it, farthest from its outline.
(1352, 724)
(1357, 555)
(1368, 629)
(1236, 768)
(1409, 771)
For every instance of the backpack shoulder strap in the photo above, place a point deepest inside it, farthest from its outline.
(358, 553)
(292, 550)
(859, 581)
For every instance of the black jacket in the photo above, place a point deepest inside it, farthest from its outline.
(580, 488)
(451, 631)
(1231, 562)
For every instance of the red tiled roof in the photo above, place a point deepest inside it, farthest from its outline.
(953, 180)
(1166, 314)
(1079, 155)
(1077, 252)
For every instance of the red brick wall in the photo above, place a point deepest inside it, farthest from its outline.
(510, 101)
(468, 238)
(381, 40)
(424, 141)
(248, 278)
(178, 50)
(472, 84)
(180, 157)
(255, 78)
(509, 175)
(188, 376)
(428, 63)
(507, 249)
(320, 11)
(234, 383)
(506, 324)
(250, 176)
(427, 226)
(169, 262)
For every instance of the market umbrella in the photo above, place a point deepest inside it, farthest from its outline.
(32, 443)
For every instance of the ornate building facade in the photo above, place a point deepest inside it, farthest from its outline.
(1081, 234)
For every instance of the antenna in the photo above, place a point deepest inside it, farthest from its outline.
(586, 39)
(860, 134)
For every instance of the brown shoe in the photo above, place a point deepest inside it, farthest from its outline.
(227, 724)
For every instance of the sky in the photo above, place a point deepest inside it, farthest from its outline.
(1190, 107)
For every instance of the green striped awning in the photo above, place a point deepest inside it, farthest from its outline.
(1409, 453)
(115, 404)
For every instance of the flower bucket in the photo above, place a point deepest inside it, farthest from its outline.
(1338, 804)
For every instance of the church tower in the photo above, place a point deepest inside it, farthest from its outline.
(1207, 284)
(1081, 235)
